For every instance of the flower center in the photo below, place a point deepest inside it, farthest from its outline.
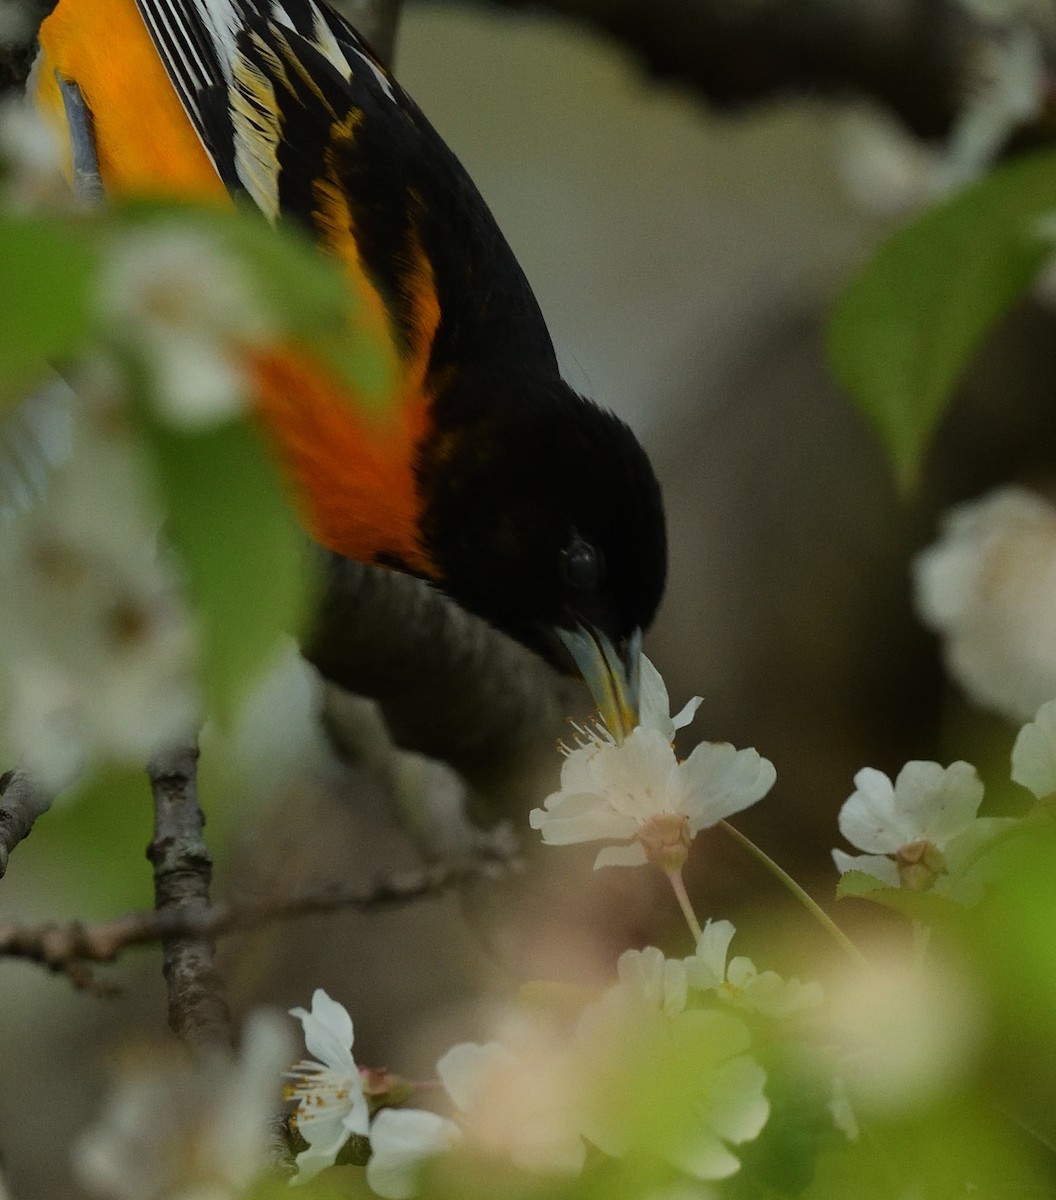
(317, 1091)
(666, 840)
(919, 863)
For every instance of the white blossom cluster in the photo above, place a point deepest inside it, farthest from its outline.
(666, 1065)
(97, 652)
(537, 1097)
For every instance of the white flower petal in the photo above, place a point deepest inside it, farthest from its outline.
(870, 819)
(720, 780)
(328, 1032)
(707, 968)
(705, 1157)
(771, 996)
(320, 1153)
(687, 712)
(649, 976)
(938, 802)
(633, 855)
(737, 1107)
(985, 586)
(1034, 754)
(654, 706)
(401, 1140)
(568, 819)
(639, 779)
(877, 865)
(463, 1069)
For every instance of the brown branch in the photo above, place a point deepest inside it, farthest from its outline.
(911, 56)
(183, 869)
(21, 802)
(62, 945)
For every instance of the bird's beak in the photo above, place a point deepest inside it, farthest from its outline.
(611, 676)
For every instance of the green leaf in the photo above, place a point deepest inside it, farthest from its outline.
(46, 274)
(88, 852)
(909, 323)
(247, 570)
(799, 1127)
(924, 906)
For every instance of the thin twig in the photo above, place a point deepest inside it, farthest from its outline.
(800, 893)
(183, 868)
(58, 944)
(21, 802)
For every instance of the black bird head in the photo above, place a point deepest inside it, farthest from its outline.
(544, 516)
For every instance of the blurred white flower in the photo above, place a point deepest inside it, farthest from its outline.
(740, 984)
(33, 158)
(402, 1140)
(515, 1100)
(1007, 91)
(1034, 754)
(659, 982)
(986, 588)
(909, 1033)
(669, 1083)
(842, 1110)
(638, 792)
(97, 652)
(180, 1131)
(187, 305)
(329, 1094)
(920, 831)
(890, 172)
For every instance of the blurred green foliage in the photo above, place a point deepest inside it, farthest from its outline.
(46, 271)
(908, 324)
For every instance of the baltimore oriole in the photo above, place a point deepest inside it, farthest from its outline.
(526, 503)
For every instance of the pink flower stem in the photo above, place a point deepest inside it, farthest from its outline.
(808, 902)
(679, 888)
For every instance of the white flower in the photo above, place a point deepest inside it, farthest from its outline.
(677, 1085)
(331, 1104)
(401, 1142)
(513, 1100)
(181, 1131)
(659, 982)
(890, 172)
(1034, 754)
(908, 1034)
(639, 793)
(739, 983)
(97, 651)
(187, 305)
(986, 587)
(516, 1102)
(918, 832)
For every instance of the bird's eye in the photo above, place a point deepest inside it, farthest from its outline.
(581, 565)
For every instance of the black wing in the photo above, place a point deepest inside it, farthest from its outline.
(295, 110)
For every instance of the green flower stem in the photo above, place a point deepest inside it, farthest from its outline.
(684, 903)
(811, 905)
